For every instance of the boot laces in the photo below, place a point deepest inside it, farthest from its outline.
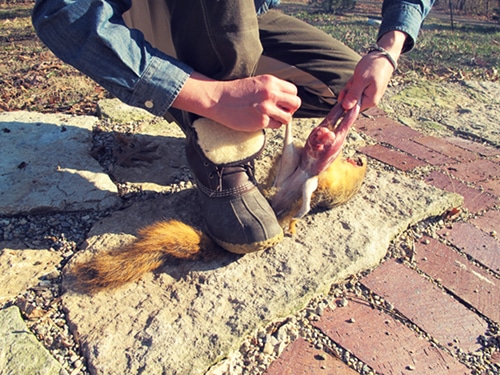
(222, 171)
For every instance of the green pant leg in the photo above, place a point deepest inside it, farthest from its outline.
(317, 63)
(217, 38)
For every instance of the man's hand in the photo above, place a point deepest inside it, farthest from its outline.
(246, 104)
(372, 74)
(368, 83)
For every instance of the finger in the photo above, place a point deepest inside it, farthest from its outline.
(279, 116)
(273, 124)
(290, 103)
(351, 98)
(344, 91)
(288, 87)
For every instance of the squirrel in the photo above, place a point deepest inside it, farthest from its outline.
(337, 181)
(162, 241)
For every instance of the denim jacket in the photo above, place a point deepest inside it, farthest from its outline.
(92, 36)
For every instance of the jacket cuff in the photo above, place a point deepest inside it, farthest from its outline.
(159, 85)
(405, 18)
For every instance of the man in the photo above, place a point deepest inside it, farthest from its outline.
(224, 70)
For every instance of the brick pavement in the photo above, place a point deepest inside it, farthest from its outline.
(439, 311)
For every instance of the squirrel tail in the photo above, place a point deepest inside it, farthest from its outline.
(154, 245)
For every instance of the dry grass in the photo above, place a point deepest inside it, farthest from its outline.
(31, 77)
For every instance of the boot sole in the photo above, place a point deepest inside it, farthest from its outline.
(251, 247)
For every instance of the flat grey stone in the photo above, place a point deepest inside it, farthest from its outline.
(20, 352)
(191, 314)
(157, 144)
(46, 165)
(22, 269)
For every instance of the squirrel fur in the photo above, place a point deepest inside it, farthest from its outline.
(154, 245)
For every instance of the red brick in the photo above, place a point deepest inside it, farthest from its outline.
(374, 112)
(475, 171)
(301, 358)
(474, 146)
(489, 222)
(385, 344)
(367, 125)
(434, 311)
(395, 158)
(430, 156)
(474, 242)
(495, 357)
(492, 187)
(457, 274)
(446, 148)
(475, 200)
(383, 129)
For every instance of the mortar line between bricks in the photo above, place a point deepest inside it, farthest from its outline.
(392, 313)
(470, 258)
(471, 137)
(461, 356)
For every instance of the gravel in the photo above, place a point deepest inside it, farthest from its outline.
(64, 232)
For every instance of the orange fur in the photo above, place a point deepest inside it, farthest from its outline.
(342, 179)
(153, 246)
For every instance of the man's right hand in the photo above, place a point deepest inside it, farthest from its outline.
(246, 104)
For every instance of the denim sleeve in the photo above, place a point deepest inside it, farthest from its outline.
(262, 6)
(406, 16)
(91, 35)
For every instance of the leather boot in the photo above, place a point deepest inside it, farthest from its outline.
(236, 214)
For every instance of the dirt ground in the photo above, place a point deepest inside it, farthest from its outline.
(470, 109)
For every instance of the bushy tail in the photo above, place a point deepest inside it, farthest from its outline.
(154, 245)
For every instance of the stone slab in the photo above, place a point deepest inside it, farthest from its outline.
(46, 165)
(157, 146)
(20, 351)
(22, 269)
(191, 314)
(119, 112)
